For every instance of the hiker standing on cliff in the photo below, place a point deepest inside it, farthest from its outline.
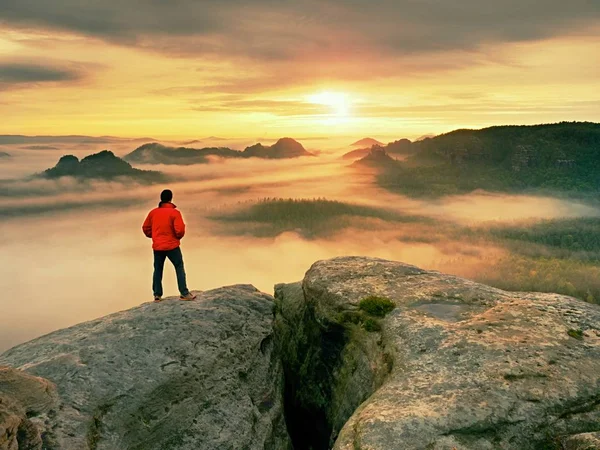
(166, 228)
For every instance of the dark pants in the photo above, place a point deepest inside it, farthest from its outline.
(176, 258)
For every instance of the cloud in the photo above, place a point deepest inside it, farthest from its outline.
(489, 107)
(58, 238)
(62, 207)
(318, 67)
(277, 107)
(340, 30)
(39, 147)
(13, 75)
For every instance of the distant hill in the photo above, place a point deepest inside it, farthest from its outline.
(155, 153)
(215, 138)
(104, 165)
(376, 157)
(401, 147)
(200, 141)
(283, 148)
(516, 147)
(563, 156)
(159, 154)
(366, 142)
(356, 154)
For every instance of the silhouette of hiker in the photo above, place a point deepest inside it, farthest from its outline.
(166, 228)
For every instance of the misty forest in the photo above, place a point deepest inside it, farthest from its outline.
(515, 207)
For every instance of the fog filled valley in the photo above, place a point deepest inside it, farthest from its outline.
(527, 219)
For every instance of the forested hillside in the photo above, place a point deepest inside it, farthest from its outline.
(558, 157)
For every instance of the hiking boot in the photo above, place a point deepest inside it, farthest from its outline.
(187, 297)
(157, 299)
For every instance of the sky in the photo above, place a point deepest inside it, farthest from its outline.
(266, 69)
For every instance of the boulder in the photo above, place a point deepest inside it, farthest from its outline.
(172, 375)
(454, 365)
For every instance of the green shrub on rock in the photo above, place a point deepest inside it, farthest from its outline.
(376, 306)
(371, 325)
(577, 334)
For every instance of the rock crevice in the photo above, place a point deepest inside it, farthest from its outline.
(331, 364)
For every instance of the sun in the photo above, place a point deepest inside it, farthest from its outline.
(337, 101)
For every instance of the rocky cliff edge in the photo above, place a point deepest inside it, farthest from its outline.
(362, 354)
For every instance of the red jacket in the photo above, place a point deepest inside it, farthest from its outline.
(165, 226)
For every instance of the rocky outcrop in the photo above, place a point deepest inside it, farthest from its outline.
(362, 354)
(27, 404)
(172, 375)
(402, 147)
(455, 365)
(283, 148)
(377, 157)
(104, 165)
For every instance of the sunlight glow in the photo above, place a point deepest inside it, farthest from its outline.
(338, 102)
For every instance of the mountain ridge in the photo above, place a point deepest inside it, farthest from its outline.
(155, 153)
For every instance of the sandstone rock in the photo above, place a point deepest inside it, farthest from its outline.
(26, 404)
(11, 417)
(172, 375)
(456, 365)
(584, 441)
